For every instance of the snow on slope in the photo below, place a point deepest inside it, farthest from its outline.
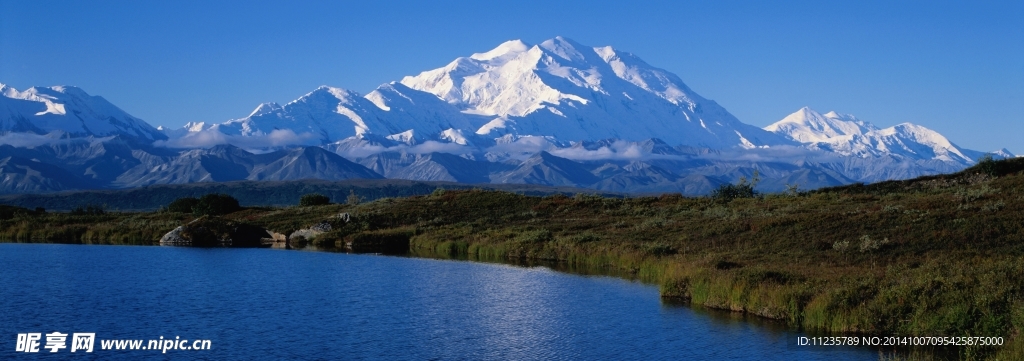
(846, 135)
(331, 114)
(326, 113)
(808, 126)
(574, 92)
(558, 89)
(564, 92)
(69, 110)
(1003, 154)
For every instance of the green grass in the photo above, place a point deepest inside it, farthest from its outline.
(935, 256)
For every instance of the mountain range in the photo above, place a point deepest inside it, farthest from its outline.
(556, 113)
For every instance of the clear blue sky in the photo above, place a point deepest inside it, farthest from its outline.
(957, 68)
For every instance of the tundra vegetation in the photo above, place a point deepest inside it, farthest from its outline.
(314, 199)
(933, 256)
(213, 204)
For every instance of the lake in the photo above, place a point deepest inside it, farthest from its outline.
(277, 304)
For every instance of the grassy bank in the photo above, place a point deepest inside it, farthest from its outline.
(936, 256)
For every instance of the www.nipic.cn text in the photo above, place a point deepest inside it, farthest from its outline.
(86, 341)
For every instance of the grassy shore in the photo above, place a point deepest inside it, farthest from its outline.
(934, 256)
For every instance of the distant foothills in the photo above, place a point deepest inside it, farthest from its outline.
(558, 113)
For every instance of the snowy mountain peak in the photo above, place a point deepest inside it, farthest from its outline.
(570, 91)
(512, 47)
(1003, 154)
(328, 115)
(325, 114)
(330, 94)
(568, 49)
(265, 108)
(70, 110)
(847, 117)
(65, 89)
(634, 70)
(936, 146)
(808, 126)
(386, 94)
(847, 135)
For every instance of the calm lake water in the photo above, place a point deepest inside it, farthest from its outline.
(276, 304)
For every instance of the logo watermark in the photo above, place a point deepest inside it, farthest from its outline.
(85, 341)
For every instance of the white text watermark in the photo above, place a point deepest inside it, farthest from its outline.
(86, 341)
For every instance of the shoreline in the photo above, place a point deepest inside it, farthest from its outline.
(886, 352)
(933, 256)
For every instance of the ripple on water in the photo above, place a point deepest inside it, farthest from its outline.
(272, 304)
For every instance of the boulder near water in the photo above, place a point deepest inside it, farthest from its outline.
(216, 232)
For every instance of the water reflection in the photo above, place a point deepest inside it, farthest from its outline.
(270, 304)
(776, 333)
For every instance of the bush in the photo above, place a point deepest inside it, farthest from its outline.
(216, 204)
(89, 209)
(869, 245)
(210, 204)
(8, 212)
(535, 236)
(728, 192)
(743, 189)
(314, 199)
(987, 165)
(658, 249)
(353, 199)
(183, 205)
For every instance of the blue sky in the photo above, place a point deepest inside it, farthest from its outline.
(957, 68)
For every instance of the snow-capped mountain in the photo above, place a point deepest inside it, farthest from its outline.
(555, 113)
(558, 89)
(846, 135)
(573, 92)
(1003, 153)
(68, 111)
(331, 114)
